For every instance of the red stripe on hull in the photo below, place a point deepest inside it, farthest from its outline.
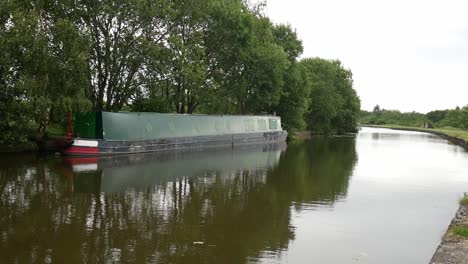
(74, 150)
(80, 160)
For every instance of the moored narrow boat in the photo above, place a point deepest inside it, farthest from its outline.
(106, 133)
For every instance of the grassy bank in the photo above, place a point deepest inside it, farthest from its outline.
(458, 230)
(452, 132)
(464, 201)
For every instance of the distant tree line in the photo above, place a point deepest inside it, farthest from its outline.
(205, 56)
(449, 118)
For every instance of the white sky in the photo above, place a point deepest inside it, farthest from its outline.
(404, 54)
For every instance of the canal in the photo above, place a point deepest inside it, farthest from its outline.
(383, 196)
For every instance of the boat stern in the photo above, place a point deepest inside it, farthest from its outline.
(82, 147)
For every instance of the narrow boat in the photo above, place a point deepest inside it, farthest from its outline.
(107, 133)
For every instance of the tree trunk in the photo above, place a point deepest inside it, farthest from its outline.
(43, 124)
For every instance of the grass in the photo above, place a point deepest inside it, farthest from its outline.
(453, 132)
(458, 133)
(464, 200)
(461, 231)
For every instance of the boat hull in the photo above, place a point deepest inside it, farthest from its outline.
(96, 147)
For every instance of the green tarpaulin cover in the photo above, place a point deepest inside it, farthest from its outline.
(147, 126)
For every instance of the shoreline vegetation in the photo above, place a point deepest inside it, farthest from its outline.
(203, 57)
(451, 124)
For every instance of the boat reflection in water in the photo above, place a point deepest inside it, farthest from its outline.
(142, 171)
(207, 206)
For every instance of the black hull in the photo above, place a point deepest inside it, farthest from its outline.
(127, 147)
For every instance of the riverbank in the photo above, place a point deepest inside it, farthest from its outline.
(458, 137)
(26, 147)
(306, 135)
(454, 246)
(53, 131)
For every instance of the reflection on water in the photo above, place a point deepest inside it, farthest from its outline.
(141, 171)
(309, 202)
(211, 206)
(398, 135)
(315, 172)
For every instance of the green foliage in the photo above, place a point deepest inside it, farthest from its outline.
(182, 61)
(249, 65)
(460, 231)
(464, 200)
(334, 105)
(220, 57)
(394, 117)
(15, 123)
(295, 98)
(43, 65)
(122, 36)
(437, 115)
(207, 56)
(287, 38)
(455, 118)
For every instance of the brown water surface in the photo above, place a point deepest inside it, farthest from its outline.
(383, 196)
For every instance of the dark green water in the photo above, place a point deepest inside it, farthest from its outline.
(381, 197)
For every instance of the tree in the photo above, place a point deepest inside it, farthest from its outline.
(348, 113)
(334, 105)
(296, 88)
(287, 38)
(295, 98)
(247, 65)
(207, 56)
(437, 115)
(185, 68)
(15, 124)
(377, 110)
(39, 43)
(121, 34)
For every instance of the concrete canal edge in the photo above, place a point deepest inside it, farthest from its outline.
(453, 249)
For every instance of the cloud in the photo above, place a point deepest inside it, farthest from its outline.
(407, 55)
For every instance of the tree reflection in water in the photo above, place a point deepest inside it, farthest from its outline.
(153, 207)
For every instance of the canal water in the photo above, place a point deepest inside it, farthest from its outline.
(383, 196)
